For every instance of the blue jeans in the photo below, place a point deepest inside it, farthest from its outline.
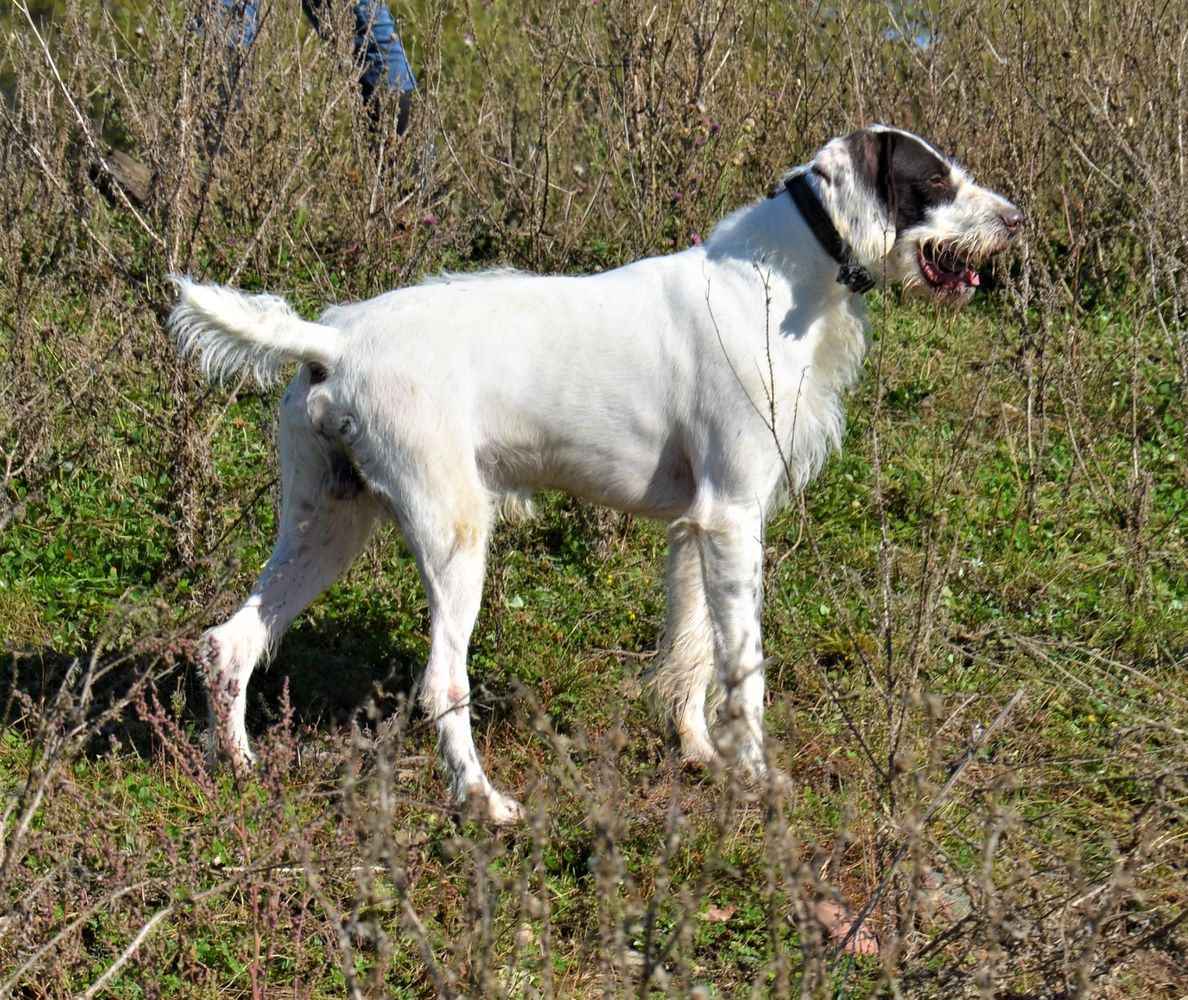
(377, 43)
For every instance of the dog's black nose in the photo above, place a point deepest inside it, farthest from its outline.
(1012, 219)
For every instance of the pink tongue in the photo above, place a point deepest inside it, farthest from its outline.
(944, 272)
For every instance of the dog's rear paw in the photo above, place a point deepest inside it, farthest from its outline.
(746, 764)
(502, 810)
(223, 749)
(493, 807)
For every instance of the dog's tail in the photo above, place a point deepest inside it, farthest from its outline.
(232, 330)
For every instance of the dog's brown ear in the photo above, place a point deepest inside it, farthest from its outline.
(871, 153)
(907, 174)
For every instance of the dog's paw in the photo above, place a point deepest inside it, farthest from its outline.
(697, 751)
(753, 763)
(502, 810)
(223, 748)
(486, 805)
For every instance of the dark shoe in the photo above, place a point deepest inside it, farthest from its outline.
(118, 172)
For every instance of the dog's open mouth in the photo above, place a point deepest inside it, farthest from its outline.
(945, 272)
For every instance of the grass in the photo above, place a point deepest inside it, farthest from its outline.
(1013, 598)
(975, 616)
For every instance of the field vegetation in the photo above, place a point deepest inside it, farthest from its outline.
(976, 616)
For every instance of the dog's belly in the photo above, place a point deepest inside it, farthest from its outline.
(654, 483)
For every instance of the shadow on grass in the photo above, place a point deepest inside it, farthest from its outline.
(336, 670)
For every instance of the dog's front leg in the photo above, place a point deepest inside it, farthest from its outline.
(732, 563)
(685, 660)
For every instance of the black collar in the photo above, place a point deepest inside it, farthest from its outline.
(853, 275)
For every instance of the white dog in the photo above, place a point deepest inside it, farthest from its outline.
(688, 387)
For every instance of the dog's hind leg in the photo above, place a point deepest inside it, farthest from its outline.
(445, 515)
(312, 551)
(685, 660)
(454, 582)
(327, 516)
(731, 544)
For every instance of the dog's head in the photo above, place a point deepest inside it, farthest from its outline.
(910, 214)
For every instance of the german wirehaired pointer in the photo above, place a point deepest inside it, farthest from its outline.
(689, 387)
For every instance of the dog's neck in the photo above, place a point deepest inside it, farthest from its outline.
(853, 275)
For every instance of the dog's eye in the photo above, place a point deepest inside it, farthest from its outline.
(938, 180)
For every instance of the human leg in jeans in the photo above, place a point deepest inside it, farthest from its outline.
(383, 65)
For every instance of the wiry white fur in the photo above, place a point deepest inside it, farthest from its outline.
(231, 330)
(686, 387)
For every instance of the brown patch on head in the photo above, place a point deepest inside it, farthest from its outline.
(906, 174)
(864, 149)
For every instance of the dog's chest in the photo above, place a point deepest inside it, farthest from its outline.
(806, 382)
